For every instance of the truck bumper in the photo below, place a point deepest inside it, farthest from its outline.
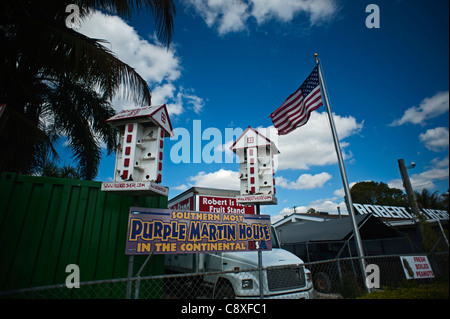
(301, 294)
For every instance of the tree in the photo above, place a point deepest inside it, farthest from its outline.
(51, 170)
(57, 82)
(445, 201)
(377, 194)
(425, 199)
(428, 200)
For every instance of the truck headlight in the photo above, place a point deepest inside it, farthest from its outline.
(247, 284)
(308, 276)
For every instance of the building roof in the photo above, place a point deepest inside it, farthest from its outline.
(369, 226)
(296, 217)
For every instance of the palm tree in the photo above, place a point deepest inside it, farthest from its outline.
(428, 200)
(445, 201)
(57, 82)
(51, 170)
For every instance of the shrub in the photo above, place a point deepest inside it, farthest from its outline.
(436, 290)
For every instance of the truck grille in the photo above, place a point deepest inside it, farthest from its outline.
(288, 278)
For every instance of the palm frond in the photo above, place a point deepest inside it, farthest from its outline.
(57, 81)
(162, 10)
(80, 114)
(70, 52)
(25, 147)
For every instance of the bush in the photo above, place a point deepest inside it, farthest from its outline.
(349, 288)
(436, 290)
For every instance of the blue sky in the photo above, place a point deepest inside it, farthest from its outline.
(232, 63)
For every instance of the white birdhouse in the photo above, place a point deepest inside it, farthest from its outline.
(256, 167)
(140, 152)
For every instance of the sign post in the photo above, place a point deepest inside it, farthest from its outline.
(261, 288)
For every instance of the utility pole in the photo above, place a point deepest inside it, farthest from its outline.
(411, 196)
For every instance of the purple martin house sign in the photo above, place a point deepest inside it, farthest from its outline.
(164, 231)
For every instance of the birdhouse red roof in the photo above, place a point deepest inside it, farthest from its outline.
(157, 114)
(252, 138)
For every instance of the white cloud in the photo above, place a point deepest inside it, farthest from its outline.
(439, 171)
(340, 192)
(222, 178)
(440, 163)
(159, 66)
(153, 62)
(232, 16)
(328, 205)
(309, 145)
(228, 16)
(195, 102)
(164, 93)
(179, 100)
(285, 10)
(435, 139)
(312, 144)
(429, 108)
(281, 214)
(180, 187)
(304, 181)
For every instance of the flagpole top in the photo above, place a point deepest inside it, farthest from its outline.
(316, 57)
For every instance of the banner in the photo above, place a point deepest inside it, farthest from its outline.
(137, 187)
(257, 199)
(165, 231)
(399, 212)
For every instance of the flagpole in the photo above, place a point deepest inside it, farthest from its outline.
(348, 197)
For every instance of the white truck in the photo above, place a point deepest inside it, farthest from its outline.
(283, 275)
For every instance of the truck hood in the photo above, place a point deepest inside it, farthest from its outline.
(275, 257)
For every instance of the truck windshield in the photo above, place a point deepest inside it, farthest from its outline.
(275, 243)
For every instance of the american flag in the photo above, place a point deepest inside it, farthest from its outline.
(295, 111)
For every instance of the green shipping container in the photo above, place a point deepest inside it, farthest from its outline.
(48, 223)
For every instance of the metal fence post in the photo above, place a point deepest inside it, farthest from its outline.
(261, 285)
(138, 275)
(137, 286)
(130, 275)
(131, 261)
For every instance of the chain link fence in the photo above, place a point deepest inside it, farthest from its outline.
(337, 278)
